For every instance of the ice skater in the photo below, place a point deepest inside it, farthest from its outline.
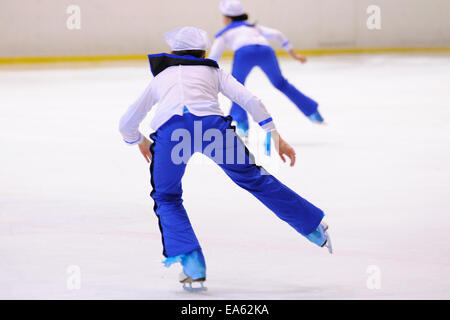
(250, 44)
(188, 119)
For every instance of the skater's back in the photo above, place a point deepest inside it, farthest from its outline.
(195, 87)
(189, 120)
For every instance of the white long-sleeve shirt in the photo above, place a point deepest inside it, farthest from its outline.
(197, 88)
(245, 35)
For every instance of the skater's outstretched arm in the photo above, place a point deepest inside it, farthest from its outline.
(217, 49)
(275, 35)
(236, 92)
(130, 121)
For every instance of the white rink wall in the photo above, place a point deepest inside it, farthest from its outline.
(38, 27)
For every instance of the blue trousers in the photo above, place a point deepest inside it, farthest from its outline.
(234, 159)
(264, 57)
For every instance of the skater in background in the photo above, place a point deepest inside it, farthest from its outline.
(186, 88)
(250, 44)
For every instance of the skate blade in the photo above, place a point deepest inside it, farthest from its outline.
(327, 243)
(194, 286)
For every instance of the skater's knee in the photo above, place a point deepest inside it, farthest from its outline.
(281, 83)
(253, 182)
(170, 199)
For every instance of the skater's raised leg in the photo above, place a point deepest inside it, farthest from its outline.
(271, 68)
(285, 203)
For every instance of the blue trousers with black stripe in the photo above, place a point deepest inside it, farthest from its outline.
(169, 163)
(248, 57)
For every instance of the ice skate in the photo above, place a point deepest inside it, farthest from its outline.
(316, 117)
(194, 269)
(192, 285)
(321, 237)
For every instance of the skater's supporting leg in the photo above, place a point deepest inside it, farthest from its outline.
(271, 68)
(242, 65)
(285, 203)
(178, 237)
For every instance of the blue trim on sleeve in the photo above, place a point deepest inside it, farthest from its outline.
(140, 137)
(265, 121)
(232, 25)
(285, 43)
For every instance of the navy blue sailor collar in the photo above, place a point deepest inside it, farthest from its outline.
(161, 61)
(233, 25)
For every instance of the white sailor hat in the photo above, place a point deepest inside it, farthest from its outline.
(187, 38)
(231, 8)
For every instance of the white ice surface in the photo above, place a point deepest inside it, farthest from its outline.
(71, 193)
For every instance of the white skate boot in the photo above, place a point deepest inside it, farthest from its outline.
(194, 269)
(321, 237)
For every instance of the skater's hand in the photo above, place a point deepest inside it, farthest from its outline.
(283, 148)
(144, 147)
(298, 56)
(286, 149)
